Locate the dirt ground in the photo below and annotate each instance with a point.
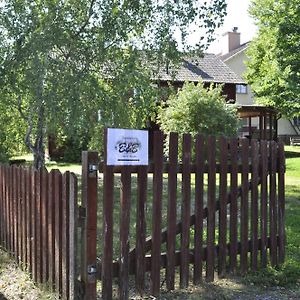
(16, 284)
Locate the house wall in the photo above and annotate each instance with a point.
(238, 65)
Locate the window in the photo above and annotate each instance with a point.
(296, 121)
(241, 89)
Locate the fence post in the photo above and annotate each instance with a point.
(89, 230)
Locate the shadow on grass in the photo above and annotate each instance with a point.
(292, 154)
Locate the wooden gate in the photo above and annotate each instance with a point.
(201, 206)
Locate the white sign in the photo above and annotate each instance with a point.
(127, 147)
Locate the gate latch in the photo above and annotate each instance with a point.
(93, 168)
(92, 272)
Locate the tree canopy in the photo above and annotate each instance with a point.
(274, 64)
(63, 61)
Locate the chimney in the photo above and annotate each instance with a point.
(230, 40)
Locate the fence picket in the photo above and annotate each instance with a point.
(223, 207)
(29, 220)
(233, 205)
(51, 229)
(281, 203)
(44, 221)
(65, 234)
(211, 198)
(38, 228)
(33, 225)
(58, 230)
(272, 204)
(156, 213)
(254, 204)
(125, 200)
(244, 205)
(172, 205)
(24, 216)
(263, 209)
(199, 194)
(141, 228)
(185, 211)
(73, 213)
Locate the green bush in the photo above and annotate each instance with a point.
(196, 109)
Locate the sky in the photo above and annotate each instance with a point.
(237, 16)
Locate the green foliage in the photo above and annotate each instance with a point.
(12, 131)
(63, 61)
(197, 109)
(274, 64)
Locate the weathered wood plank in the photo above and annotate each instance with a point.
(223, 207)
(156, 213)
(185, 210)
(172, 206)
(199, 194)
(210, 260)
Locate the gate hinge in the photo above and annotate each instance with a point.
(93, 169)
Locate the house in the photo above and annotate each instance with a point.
(234, 55)
(208, 68)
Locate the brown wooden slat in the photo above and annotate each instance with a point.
(172, 206)
(12, 210)
(73, 212)
(51, 228)
(65, 234)
(2, 196)
(263, 208)
(272, 204)
(45, 232)
(254, 204)
(233, 205)
(141, 228)
(156, 213)
(108, 204)
(185, 210)
(244, 205)
(108, 198)
(166, 166)
(33, 226)
(211, 150)
(281, 203)
(7, 192)
(125, 203)
(20, 212)
(223, 207)
(89, 242)
(39, 246)
(29, 220)
(23, 215)
(6, 211)
(58, 230)
(199, 194)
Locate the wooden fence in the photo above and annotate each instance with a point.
(215, 205)
(206, 205)
(37, 224)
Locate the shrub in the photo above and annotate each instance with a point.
(196, 109)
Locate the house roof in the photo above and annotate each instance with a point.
(234, 52)
(209, 68)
